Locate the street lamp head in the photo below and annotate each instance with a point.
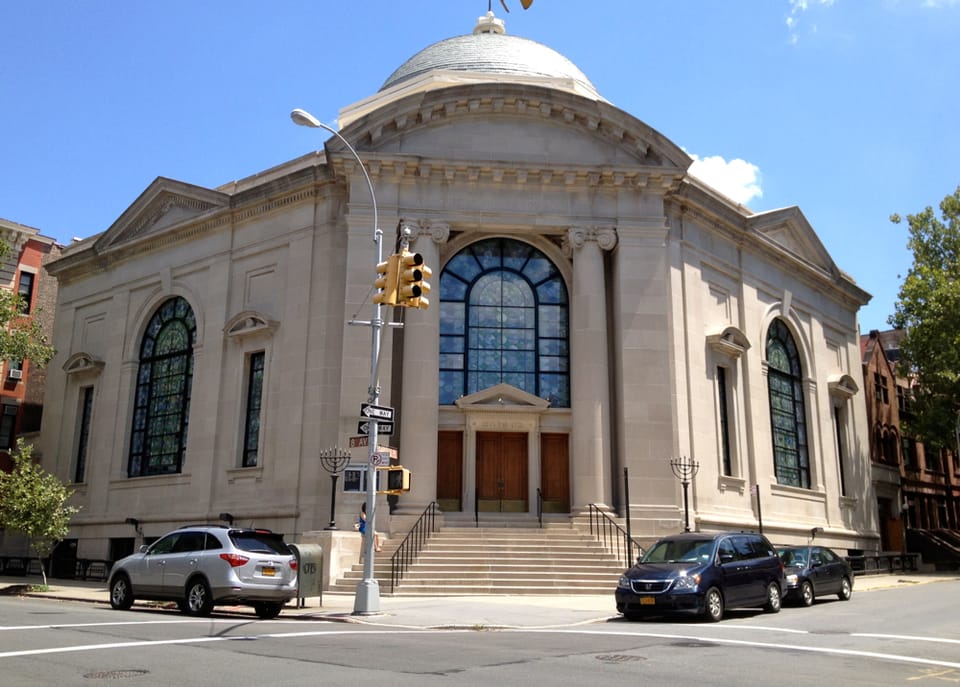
(304, 118)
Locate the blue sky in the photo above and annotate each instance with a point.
(848, 109)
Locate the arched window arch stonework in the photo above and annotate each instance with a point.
(161, 408)
(788, 416)
(504, 318)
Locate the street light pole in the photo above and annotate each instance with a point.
(367, 600)
(685, 469)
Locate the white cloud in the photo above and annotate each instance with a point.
(737, 179)
(798, 7)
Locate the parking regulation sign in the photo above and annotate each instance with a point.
(379, 459)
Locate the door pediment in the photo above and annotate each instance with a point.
(500, 397)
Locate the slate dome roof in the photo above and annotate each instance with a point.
(490, 51)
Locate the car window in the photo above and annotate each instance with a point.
(164, 545)
(828, 556)
(259, 542)
(726, 549)
(794, 557)
(744, 548)
(213, 542)
(188, 541)
(685, 551)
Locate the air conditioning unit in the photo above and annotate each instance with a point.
(15, 374)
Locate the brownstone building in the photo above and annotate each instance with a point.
(917, 485)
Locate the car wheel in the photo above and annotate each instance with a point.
(713, 605)
(266, 611)
(806, 594)
(199, 600)
(846, 589)
(121, 593)
(773, 598)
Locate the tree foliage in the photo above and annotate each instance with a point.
(928, 311)
(21, 338)
(34, 503)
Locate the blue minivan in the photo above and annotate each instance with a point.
(702, 574)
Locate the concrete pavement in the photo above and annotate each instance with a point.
(469, 612)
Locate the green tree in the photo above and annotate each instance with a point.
(928, 311)
(34, 503)
(21, 338)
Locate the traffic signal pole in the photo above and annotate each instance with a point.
(367, 600)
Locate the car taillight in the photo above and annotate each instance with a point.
(293, 565)
(235, 560)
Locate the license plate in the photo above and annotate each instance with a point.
(647, 601)
(268, 572)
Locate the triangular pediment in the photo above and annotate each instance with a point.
(165, 205)
(790, 230)
(502, 396)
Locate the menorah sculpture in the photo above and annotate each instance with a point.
(334, 460)
(685, 469)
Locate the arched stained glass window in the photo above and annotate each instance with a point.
(162, 403)
(787, 411)
(503, 319)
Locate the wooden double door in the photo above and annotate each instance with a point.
(502, 477)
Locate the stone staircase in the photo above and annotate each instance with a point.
(466, 560)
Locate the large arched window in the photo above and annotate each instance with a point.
(787, 412)
(162, 403)
(503, 319)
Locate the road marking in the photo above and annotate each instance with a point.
(897, 658)
(910, 638)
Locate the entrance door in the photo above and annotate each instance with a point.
(555, 473)
(449, 470)
(502, 472)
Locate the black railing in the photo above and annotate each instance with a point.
(411, 545)
(540, 507)
(613, 537)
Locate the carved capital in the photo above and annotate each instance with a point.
(439, 232)
(577, 237)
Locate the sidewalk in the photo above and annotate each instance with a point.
(469, 612)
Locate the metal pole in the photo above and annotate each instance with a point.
(333, 502)
(367, 600)
(686, 507)
(626, 513)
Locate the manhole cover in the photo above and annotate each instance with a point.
(115, 674)
(619, 658)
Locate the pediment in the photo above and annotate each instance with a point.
(163, 206)
(502, 396)
(510, 122)
(790, 230)
(731, 342)
(248, 323)
(843, 386)
(82, 362)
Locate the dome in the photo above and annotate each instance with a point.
(489, 51)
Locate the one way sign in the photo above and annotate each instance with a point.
(379, 412)
(384, 428)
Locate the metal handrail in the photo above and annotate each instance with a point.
(412, 544)
(613, 537)
(540, 507)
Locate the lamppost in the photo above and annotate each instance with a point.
(367, 601)
(685, 469)
(334, 460)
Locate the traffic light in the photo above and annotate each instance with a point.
(387, 281)
(412, 287)
(397, 479)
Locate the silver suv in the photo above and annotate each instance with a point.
(206, 565)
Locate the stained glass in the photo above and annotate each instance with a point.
(162, 399)
(787, 411)
(494, 326)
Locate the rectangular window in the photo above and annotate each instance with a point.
(880, 388)
(251, 431)
(723, 397)
(86, 409)
(909, 450)
(25, 289)
(8, 426)
(838, 423)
